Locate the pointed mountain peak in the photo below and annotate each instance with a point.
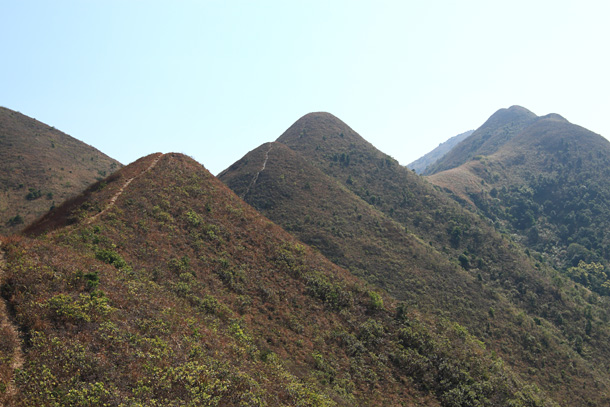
(319, 116)
(324, 139)
(317, 127)
(511, 114)
(315, 120)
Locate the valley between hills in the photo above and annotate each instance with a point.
(314, 271)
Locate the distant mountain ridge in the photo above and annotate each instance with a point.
(485, 140)
(421, 164)
(41, 167)
(546, 181)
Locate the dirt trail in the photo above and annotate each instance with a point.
(11, 335)
(120, 191)
(258, 173)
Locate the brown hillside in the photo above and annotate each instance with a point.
(41, 167)
(169, 290)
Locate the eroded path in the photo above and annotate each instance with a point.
(9, 335)
(122, 189)
(258, 173)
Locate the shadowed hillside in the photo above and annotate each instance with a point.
(40, 167)
(159, 286)
(364, 211)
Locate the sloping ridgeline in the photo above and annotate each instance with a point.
(159, 286)
(362, 210)
(421, 164)
(40, 167)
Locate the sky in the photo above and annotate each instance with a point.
(215, 79)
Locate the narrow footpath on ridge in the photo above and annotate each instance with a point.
(258, 173)
(120, 191)
(9, 335)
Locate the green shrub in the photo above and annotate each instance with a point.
(376, 300)
(15, 220)
(85, 308)
(92, 280)
(332, 294)
(33, 194)
(111, 257)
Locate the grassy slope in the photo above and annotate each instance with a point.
(354, 208)
(50, 163)
(179, 294)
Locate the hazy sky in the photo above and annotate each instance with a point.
(215, 79)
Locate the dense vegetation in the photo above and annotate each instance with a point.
(549, 186)
(362, 210)
(40, 167)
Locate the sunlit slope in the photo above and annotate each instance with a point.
(40, 167)
(160, 286)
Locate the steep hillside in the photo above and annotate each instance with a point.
(493, 134)
(421, 164)
(159, 286)
(41, 167)
(326, 215)
(549, 186)
(362, 210)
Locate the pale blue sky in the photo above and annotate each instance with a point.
(215, 79)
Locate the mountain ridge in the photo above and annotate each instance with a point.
(269, 321)
(383, 186)
(421, 164)
(41, 166)
(159, 285)
(486, 139)
(539, 184)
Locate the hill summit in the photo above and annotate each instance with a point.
(494, 133)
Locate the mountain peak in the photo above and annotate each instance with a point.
(500, 128)
(319, 116)
(511, 113)
(517, 108)
(321, 135)
(316, 125)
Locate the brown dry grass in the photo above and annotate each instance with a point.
(38, 157)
